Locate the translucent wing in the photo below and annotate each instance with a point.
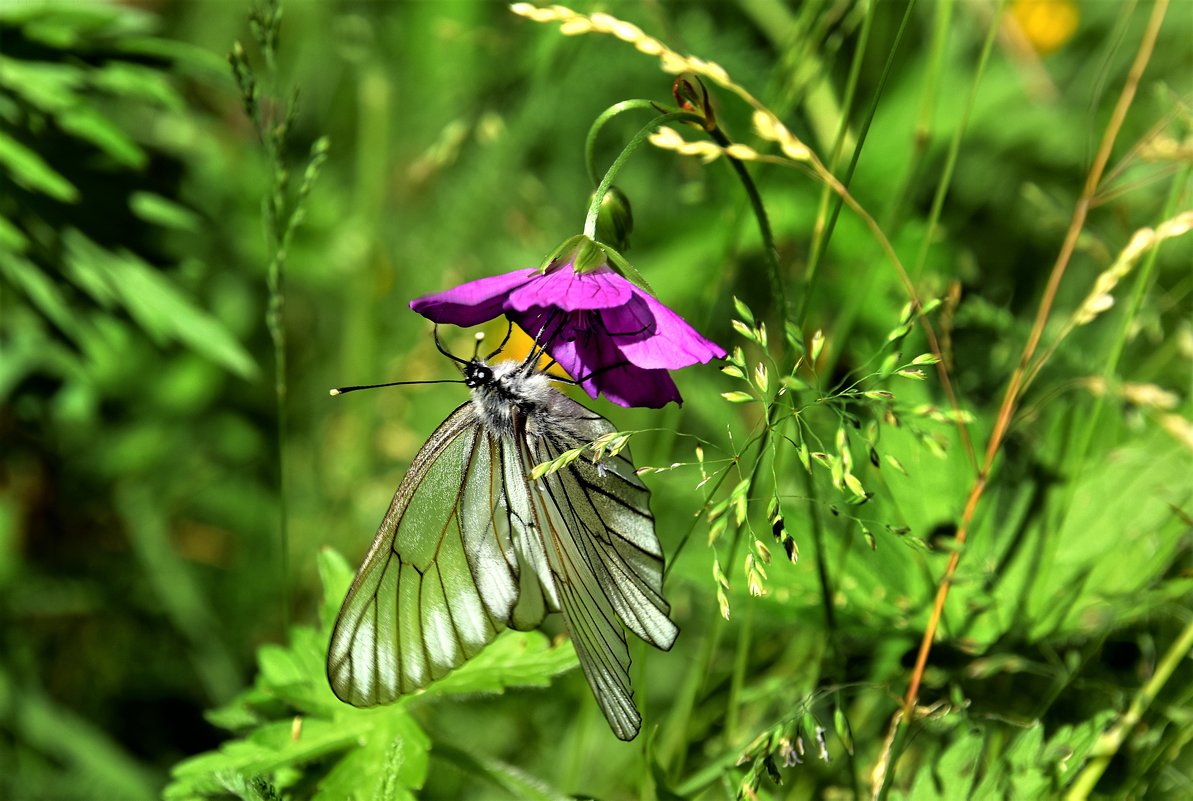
(442, 577)
(604, 556)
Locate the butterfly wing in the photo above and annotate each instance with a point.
(604, 556)
(442, 577)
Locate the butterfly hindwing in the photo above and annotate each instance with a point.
(605, 557)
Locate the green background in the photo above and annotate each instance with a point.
(141, 479)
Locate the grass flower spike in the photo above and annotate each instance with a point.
(612, 336)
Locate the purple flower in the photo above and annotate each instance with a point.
(607, 333)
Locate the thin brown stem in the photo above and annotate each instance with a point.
(1012, 396)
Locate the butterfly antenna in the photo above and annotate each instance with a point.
(346, 390)
(445, 351)
(476, 349)
(509, 330)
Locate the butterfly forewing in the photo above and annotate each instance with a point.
(608, 506)
(439, 581)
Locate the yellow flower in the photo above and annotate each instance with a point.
(1047, 24)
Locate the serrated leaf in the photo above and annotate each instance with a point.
(514, 659)
(269, 748)
(391, 761)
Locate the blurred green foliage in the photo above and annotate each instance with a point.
(141, 573)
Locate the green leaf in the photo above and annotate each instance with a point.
(30, 171)
(11, 237)
(156, 304)
(44, 294)
(136, 81)
(335, 574)
(514, 659)
(953, 771)
(43, 85)
(1017, 772)
(391, 761)
(75, 745)
(161, 211)
(514, 781)
(269, 748)
(89, 124)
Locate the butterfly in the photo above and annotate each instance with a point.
(471, 545)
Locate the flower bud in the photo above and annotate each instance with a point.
(615, 221)
(691, 95)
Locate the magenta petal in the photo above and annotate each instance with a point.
(592, 358)
(472, 303)
(633, 386)
(652, 336)
(562, 288)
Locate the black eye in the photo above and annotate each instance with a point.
(477, 375)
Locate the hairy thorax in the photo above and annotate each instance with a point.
(514, 391)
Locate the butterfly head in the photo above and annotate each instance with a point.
(477, 374)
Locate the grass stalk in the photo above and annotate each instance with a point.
(1011, 396)
(950, 162)
(1112, 739)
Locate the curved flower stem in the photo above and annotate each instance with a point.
(611, 174)
(599, 123)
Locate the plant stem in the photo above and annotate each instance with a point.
(598, 124)
(1011, 397)
(1111, 740)
(611, 174)
(764, 229)
(824, 231)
